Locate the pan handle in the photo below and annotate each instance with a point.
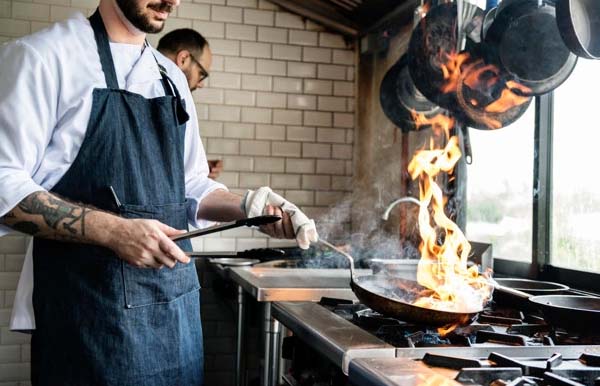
(511, 291)
(346, 255)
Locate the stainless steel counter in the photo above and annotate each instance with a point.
(331, 335)
(293, 284)
(267, 285)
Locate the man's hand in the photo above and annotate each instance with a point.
(294, 222)
(143, 243)
(147, 244)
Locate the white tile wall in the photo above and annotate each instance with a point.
(278, 110)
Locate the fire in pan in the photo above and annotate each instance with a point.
(392, 296)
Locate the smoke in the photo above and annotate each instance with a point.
(356, 223)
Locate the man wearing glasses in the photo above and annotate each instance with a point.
(190, 52)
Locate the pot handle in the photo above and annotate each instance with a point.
(467, 145)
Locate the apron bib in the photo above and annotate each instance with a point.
(100, 320)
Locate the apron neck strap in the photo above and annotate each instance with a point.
(108, 66)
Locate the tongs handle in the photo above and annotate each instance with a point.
(251, 221)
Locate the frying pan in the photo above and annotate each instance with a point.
(372, 290)
(399, 97)
(525, 41)
(533, 287)
(579, 26)
(516, 291)
(432, 43)
(572, 312)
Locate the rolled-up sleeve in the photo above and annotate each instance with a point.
(197, 183)
(28, 104)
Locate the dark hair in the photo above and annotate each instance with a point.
(181, 39)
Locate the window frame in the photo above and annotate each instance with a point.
(540, 267)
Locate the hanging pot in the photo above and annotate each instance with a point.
(487, 96)
(400, 99)
(432, 42)
(526, 43)
(432, 50)
(579, 25)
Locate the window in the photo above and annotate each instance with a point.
(575, 234)
(499, 188)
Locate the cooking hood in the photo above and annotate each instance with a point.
(351, 18)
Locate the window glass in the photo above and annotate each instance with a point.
(499, 188)
(576, 186)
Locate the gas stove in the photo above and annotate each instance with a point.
(505, 346)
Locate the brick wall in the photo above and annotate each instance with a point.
(278, 110)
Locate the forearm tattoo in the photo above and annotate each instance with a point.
(43, 214)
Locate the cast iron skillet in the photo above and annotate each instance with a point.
(525, 288)
(432, 42)
(371, 291)
(533, 287)
(572, 312)
(577, 313)
(579, 25)
(526, 42)
(375, 290)
(400, 98)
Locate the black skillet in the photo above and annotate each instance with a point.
(400, 98)
(383, 293)
(525, 41)
(572, 312)
(432, 42)
(374, 290)
(579, 25)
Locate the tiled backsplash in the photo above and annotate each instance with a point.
(278, 110)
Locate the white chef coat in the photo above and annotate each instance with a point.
(46, 84)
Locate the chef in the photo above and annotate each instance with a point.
(190, 51)
(101, 161)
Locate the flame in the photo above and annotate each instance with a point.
(460, 70)
(508, 99)
(452, 70)
(444, 248)
(445, 330)
(439, 123)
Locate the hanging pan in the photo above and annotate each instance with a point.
(391, 296)
(579, 25)
(400, 99)
(433, 51)
(525, 41)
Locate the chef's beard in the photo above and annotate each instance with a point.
(136, 16)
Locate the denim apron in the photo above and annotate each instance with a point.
(100, 320)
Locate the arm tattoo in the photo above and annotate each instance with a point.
(44, 214)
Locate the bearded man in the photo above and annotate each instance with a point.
(101, 161)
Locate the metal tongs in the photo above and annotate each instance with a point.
(252, 221)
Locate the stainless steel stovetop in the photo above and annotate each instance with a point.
(505, 347)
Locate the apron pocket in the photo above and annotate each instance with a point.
(148, 286)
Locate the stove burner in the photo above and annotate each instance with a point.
(449, 362)
(590, 359)
(498, 337)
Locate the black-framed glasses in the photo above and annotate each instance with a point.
(203, 73)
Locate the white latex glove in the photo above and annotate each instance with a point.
(255, 203)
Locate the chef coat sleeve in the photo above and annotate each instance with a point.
(197, 183)
(28, 105)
